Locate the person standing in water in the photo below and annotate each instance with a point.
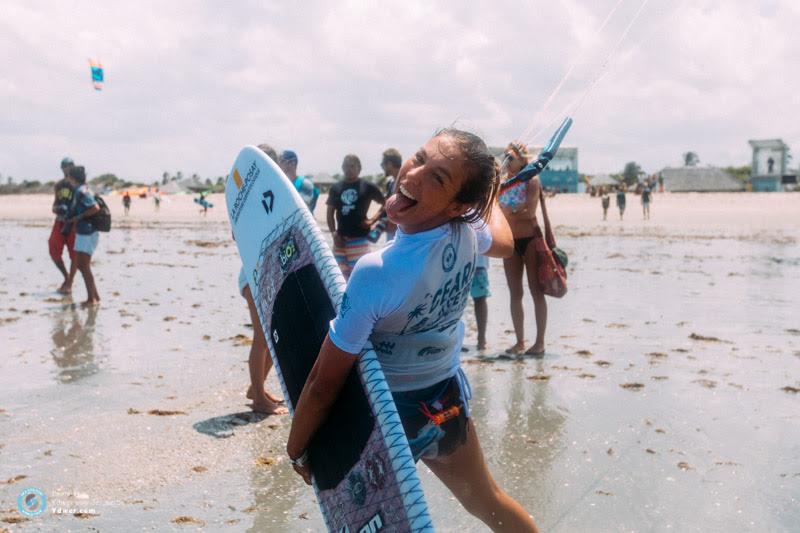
(519, 204)
(126, 202)
(348, 203)
(259, 362)
(63, 234)
(83, 207)
(621, 200)
(646, 202)
(605, 201)
(444, 194)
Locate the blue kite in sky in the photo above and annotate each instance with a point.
(97, 74)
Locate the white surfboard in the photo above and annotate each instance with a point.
(364, 475)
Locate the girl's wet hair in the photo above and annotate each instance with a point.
(77, 173)
(481, 183)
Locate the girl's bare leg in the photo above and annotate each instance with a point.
(539, 302)
(465, 473)
(84, 265)
(481, 317)
(513, 267)
(259, 365)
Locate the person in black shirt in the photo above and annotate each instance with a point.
(348, 203)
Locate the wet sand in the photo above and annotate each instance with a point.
(667, 400)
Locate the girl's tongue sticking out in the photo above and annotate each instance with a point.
(399, 202)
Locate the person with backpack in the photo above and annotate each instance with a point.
(84, 206)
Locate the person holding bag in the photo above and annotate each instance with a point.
(533, 251)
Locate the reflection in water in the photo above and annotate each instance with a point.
(73, 341)
(276, 488)
(532, 438)
(528, 440)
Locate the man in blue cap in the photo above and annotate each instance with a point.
(63, 234)
(308, 191)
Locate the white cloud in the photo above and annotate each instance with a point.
(188, 83)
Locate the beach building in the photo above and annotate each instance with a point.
(699, 179)
(770, 159)
(323, 180)
(602, 180)
(561, 173)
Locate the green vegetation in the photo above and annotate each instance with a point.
(631, 173)
(740, 173)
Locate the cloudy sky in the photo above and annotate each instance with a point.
(189, 83)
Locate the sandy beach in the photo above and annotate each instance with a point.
(668, 398)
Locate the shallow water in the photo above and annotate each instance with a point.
(699, 324)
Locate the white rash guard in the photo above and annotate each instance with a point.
(408, 299)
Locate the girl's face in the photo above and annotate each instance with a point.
(515, 162)
(427, 185)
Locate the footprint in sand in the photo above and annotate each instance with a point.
(539, 377)
(707, 383)
(705, 338)
(188, 520)
(632, 386)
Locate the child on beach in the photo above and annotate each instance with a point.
(413, 293)
(348, 203)
(621, 200)
(479, 292)
(605, 201)
(82, 208)
(259, 362)
(126, 202)
(646, 203)
(62, 234)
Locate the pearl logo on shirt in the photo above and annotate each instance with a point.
(349, 198)
(448, 258)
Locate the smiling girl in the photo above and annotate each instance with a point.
(408, 299)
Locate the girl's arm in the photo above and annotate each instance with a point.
(502, 238)
(320, 391)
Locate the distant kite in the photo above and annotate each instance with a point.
(97, 74)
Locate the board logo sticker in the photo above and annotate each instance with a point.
(244, 190)
(448, 257)
(268, 201)
(357, 488)
(375, 524)
(376, 471)
(287, 252)
(237, 178)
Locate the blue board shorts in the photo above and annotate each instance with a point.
(480, 284)
(87, 243)
(435, 418)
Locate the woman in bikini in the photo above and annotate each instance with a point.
(519, 206)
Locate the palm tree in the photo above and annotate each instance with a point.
(415, 313)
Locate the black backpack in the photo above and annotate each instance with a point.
(102, 220)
